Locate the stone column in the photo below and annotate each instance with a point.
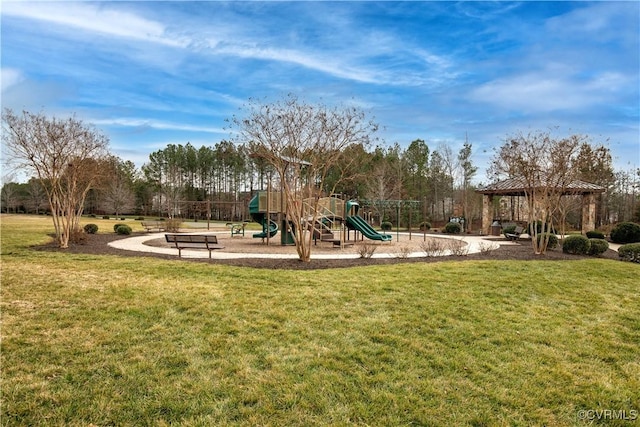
(588, 212)
(487, 213)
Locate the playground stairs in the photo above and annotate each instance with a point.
(327, 237)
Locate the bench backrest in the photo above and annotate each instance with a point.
(191, 238)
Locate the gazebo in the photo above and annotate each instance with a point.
(517, 187)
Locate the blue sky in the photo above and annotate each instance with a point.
(153, 73)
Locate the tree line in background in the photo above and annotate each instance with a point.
(189, 182)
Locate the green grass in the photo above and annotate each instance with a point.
(107, 340)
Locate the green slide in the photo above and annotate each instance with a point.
(354, 222)
(268, 227)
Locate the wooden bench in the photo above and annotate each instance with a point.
(515, 235)
(153, 225)
(193, 241)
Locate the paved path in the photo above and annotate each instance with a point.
(475, 244)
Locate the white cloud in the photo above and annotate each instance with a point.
(603, 19)
(10, 77)
(155, 124)
(91, 18)
(545, 92)
(306, 60)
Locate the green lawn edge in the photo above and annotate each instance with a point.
(113, 340)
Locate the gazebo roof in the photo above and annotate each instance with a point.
(518, 186)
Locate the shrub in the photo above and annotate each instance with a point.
(630, 252)
(140, 218)
(487, 247)
(403, 251)
(123, 229)
(457, 247)
(626, 232)
(552, 241)
(425, 226)
(91, 229)
(77, 237)
(92, 216)
(538, 226)
(576, 244)
(115, 227)
(433, 247)
(106, 217)
(595, 234)
(598, 247)
(386, 226)
(172, 225)
(452, 228)
(366, 250)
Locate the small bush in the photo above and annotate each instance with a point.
(123, 229)
(425, 226)
(122, 218)
(630, 252)
(552, 241)
(172, 225)
(140, 218)
(595, 234)
(366, 250)
(386, 226)
(77, 237)
(403, 251)
(538, 226)
(433, 247)
(115, 227)
(576, 244)
(598, 247)
(487, 247)
(106, 217)
(626, 232)
(452, 228)
(92, 216)
(91, 229)
(457, 247)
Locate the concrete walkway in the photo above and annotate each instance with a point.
(475, 244)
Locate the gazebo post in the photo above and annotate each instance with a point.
(588, 212)
(487, 213)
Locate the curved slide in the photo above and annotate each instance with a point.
(356, 223)
(270, 227)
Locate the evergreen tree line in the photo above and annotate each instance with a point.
(189, 182)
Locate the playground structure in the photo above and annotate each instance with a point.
(331, 214)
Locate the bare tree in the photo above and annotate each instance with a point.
(10, 196)
(545, 167)
(64, 155)
(117, 191)
(468, 171)
(37, 195)
(304, 143)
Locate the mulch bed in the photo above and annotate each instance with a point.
(97, 244)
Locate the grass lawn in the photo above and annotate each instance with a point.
(105, 340)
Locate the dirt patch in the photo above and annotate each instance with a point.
(98, 244)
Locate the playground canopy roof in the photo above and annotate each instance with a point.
(518, 187)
